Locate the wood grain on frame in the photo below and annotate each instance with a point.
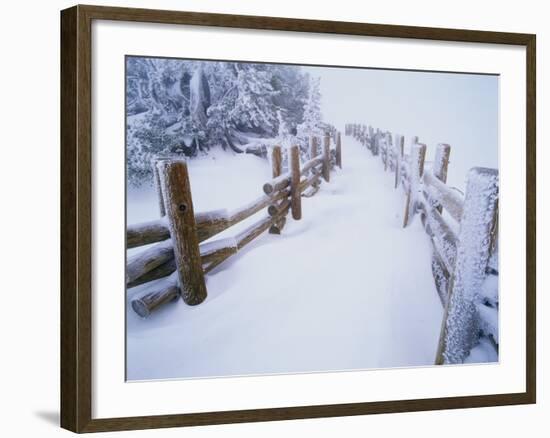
(76, 168)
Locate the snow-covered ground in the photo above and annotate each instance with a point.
(344, 288)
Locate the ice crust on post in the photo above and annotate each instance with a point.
(461, 323)
(418, 154)
(399, 143)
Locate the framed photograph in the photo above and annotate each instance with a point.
(270, 218)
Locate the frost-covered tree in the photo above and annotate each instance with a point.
(199, 102)
(284, 133)
(292, 86)
(254, 109)
(186, 107)
(312, 119)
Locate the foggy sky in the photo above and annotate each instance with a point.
(458, 109)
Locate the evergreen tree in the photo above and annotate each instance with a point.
(312, 119)
(180, 107)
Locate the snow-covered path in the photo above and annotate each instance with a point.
(344, 288)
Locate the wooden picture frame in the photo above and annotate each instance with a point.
(76, 217)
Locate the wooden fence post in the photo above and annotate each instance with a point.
(441, 164)
(295, 194)
(376, 144)
(399, 149)
(158, 187)
(339, 151)
(276, 161)
(391, 151)
(326, 158)
(418, 155)
(386, 150)
(313, 151)
(277, 170)
(178, 204)
(460, 322)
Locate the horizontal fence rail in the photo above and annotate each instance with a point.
(463, 231)
(177, 257)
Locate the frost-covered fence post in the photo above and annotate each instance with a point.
(387, 151)
(158, 187)
(391, 151)
(178, 204)
(339, 151)
(376, 144)
(382, 149)
(371, 139)
(418, 154)
(295, 192)
(441, 164)
(460, 322)
(326, 158)
(399, 148)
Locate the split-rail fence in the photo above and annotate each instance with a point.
(463, 231)
(180, 250)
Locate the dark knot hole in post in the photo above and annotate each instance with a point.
(182, 208)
